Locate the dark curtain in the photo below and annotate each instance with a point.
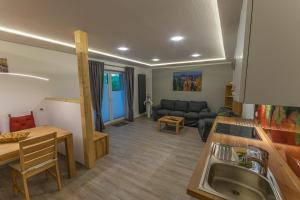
(129, 85)
(142, 92)
(96, 78)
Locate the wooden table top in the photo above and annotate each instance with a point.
(288, 182)
(171, 119)
(9, 150)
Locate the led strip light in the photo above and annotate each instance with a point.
(188, 62)
(25, 75)
(46, 39)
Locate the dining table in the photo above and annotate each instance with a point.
(10, 151)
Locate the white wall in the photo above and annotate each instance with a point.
(60, 67)
(20, 95)
(68, 118)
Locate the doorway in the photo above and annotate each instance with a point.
(113, 105)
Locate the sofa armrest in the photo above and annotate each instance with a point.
(156, 107)
(154, 112)
(207, 115)
(205, 110)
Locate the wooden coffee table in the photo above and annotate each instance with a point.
(171, 120)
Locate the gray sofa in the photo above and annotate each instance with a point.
(190, 110)
(206, 121)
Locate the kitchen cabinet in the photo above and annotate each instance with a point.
(267, 57)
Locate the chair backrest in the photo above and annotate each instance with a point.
(36, 151)
(21, 122)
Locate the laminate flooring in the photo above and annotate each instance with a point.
(143, 164)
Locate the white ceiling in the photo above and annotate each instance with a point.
(144, 26)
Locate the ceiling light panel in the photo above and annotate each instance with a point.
(196, 55)
(177, 38)
(122, 48)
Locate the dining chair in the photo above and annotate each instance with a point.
(37, 155)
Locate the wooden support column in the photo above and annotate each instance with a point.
(81, 42)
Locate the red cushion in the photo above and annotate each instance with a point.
(21, 122)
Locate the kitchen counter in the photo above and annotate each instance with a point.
(287, 181)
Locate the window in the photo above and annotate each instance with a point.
(117, 82)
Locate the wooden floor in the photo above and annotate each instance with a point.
(143, 164)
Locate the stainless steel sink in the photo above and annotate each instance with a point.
(238, 183)
(226, 178)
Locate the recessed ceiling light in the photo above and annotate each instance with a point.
(155, 59)
(177, 38)
(123, 48)
(195, 55)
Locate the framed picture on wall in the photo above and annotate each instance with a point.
(187, 81)
(3, 65)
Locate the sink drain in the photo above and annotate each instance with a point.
(236, 193)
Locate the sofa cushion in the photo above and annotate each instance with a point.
(177, 113)
(167, 104)
(191, 115)
(181, 106)
(197, 106)
(163, 112)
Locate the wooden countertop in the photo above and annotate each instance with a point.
(288, 182)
